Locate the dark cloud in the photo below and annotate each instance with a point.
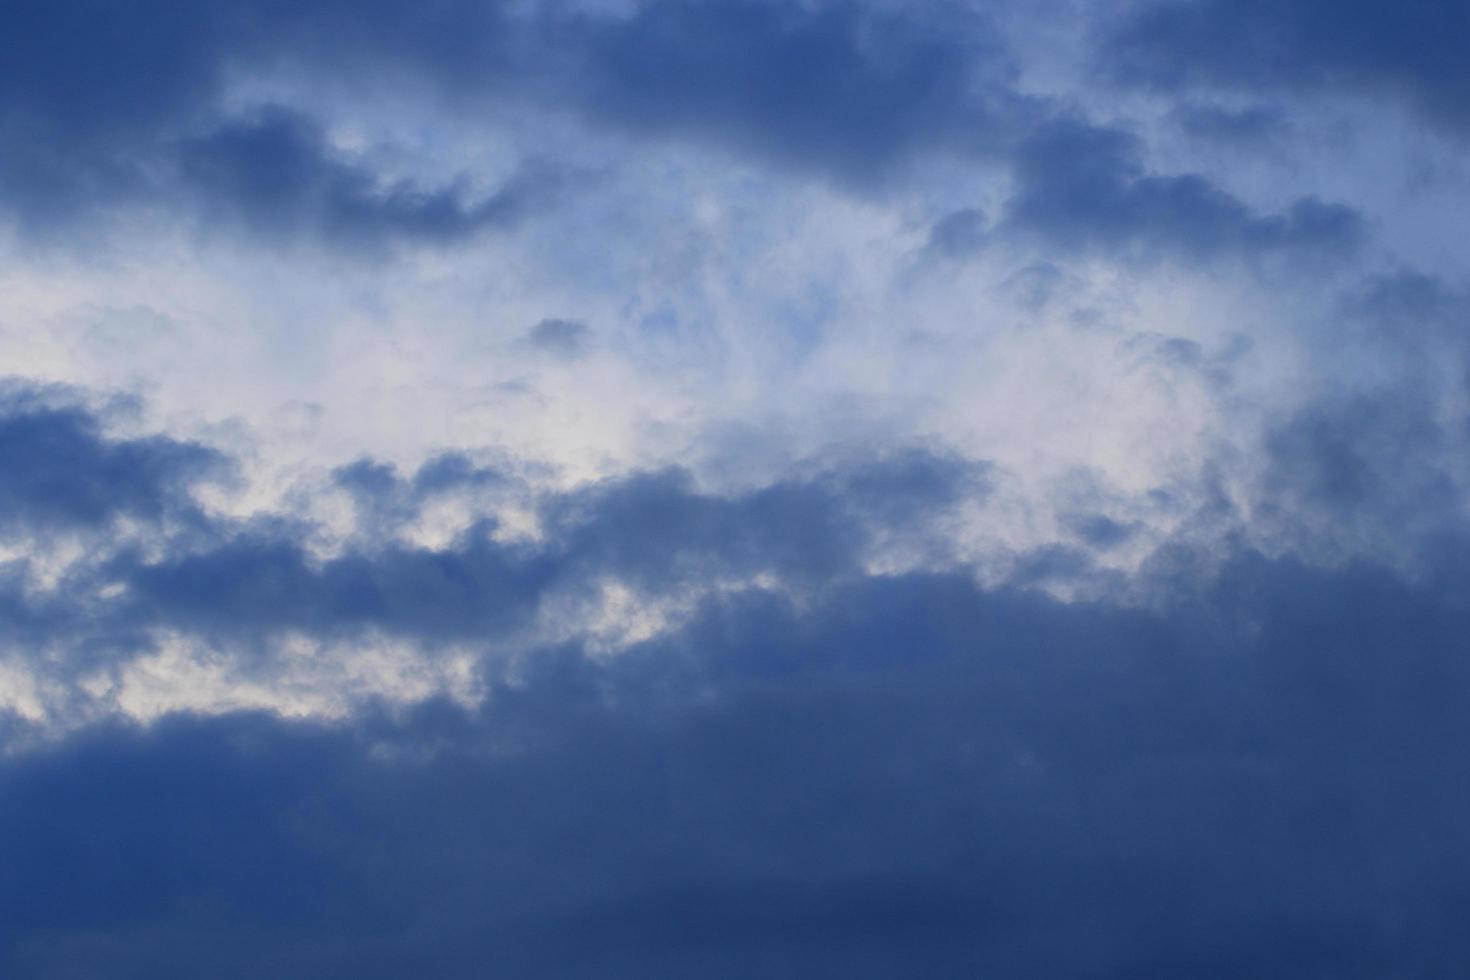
(1359, 474)
(1408, 51)
(1252, 127)
(86, 88)
(241, 585)
(1249, 766)
(563, 338)
(1377, 468)
(874, 774)
(840, 88)
(852, 92)
(276, 174)
(450, 471)
(100, 106)
(657, 531)
(380, 487)
(907, 775)
(1374, 463)
(959, 233)
(1417, 320)
(1084, 187)
(254, 587)
(1099, 530)
(654, 532)
(59, 471)
(145, 829)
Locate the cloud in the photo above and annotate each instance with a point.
(1346, 478)
(1379, 469)
(1251, 127)
(1404, 52)
(653, 532)
(254, 587)
(276, 174)
(814, 763)
(929, 507)
(59, 472)
(847, 89)
(106, 107)
(958, 233)
(563, 338)
(247, 588)
(1082, 187)
(83, 89)
(1099, 530)
(103, 107)
(908, 773)
(855, 93)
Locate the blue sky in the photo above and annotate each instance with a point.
(734, 488)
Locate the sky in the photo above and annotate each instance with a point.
(734, 489)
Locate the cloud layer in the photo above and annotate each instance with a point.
(736, 489)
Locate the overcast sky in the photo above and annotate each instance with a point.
(734, 489)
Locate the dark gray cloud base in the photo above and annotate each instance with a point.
(868, 774)
(911, 775)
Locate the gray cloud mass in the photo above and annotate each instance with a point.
(734, 489)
